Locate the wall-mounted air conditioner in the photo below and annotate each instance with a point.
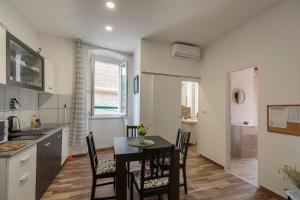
(186, 51)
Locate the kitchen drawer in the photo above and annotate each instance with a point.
(22, 175)
(23, 162)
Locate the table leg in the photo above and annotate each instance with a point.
(175, 177)
(121, 179)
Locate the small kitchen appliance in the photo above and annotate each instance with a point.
(3, 131)
(13, 124)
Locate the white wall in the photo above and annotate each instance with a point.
(61, 53)
(105, 130)
(270, 42)
(17, 25)
(156, 57)
(58, 50)
(246, 111)
(136, 97)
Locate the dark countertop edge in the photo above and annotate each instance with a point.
(30, 143)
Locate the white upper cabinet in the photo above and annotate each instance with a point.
(49, 77)
(2, 55)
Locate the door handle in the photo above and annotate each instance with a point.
(24, 159)
(48, 144)
(24, 178)
(58, 136)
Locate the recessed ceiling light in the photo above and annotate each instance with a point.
(110, 4)
(108, 28)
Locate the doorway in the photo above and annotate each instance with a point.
(242, 140)
(189, 108)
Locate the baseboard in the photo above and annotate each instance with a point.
(274, 193)
(79, 155)
(105, 149)
(85, 154)
(218, 164)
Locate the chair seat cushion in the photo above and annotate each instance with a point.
(149, 184)
(106, 166)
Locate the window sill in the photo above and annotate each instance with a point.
(108, 117)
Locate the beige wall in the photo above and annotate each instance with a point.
(270, 42)
(17, 25)
(57, 50)
(136, 97)
(61, 53)
(156, 57)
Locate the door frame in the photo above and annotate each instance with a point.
(228, 118)
(199, 108)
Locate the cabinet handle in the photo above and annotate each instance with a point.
(48, 144)
(50, 88)
(24, 159)
(24, 178)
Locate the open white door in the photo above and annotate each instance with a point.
(166, 106)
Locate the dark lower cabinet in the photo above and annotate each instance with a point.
(48, 162)
(56, 153)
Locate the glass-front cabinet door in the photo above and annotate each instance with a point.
(25, 67)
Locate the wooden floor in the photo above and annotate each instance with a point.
(205, 181)
(246, 168)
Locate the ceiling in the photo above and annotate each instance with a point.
(193, 21)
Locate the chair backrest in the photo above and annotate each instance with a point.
(159, 167)
(182, 142)
(92, 152)
(132, 131)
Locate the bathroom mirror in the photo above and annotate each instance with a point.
(238, 96)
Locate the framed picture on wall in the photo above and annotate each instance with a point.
(136, 84)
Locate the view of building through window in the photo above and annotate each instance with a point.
(106, 88)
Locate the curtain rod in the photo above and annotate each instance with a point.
(172, 75)
(105, 48)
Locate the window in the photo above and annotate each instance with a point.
(110, 89)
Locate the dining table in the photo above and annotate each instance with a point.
(125, 153)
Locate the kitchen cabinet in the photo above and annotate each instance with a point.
(49, 77)
(2, 55)
(48, 162)
(65, 144)
(18, 176)
(56, 153)
(24, 66)
(44, 166)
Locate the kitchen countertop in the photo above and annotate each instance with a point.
(54, 128)
(189, 121)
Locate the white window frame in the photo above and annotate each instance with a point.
(117, 115)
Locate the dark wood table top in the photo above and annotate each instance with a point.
(122, 148)
(124, 153)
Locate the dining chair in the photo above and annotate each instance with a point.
(132, 132)
(153, 180)
(182, 142)
(100, 169)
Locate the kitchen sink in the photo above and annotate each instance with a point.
(33, 134)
